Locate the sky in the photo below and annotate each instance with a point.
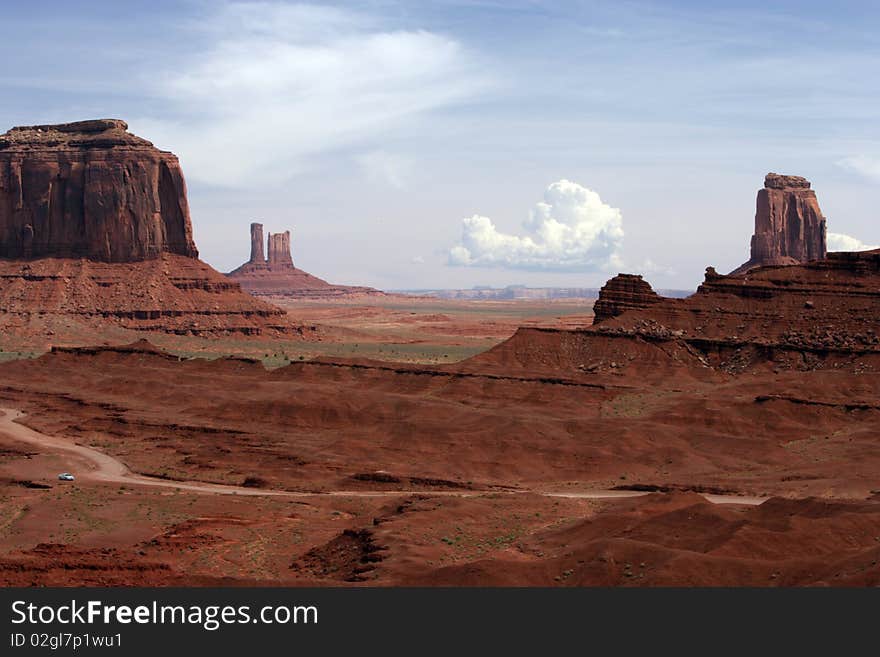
(455, 143)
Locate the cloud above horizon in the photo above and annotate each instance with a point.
(571, 230)
(842, 242)
(274, 84)
(865, 166)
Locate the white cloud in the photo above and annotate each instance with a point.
(648, 266)
(570, 230)
(867, 167)
(418, 260)
(279, 83)
(841, 242)
(385, 168)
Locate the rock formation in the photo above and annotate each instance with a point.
(279, 251)
(819, 315)
(277, 275)
(789, 226)
(623, 292)
(90, 190)
(95, 232)
(257, 256)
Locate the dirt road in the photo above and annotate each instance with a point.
(92, 465)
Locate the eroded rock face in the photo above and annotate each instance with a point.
(789, 226)
(257, 255)
(90, 190)
(95, 236)
(279, 251)
(622, 293)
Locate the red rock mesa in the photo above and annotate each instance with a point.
(90, 190)
(95, 224)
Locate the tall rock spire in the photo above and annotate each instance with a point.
(279, 251)
(789, 226)
(258, 256)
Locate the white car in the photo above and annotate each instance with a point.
(65, 476)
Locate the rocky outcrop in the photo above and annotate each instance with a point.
(277, 275)
(90, 190)
(257, 255)
(622, 293)
(789, 226)
(95, 236)
(819, 315)
(279, 251)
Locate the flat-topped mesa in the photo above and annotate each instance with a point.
(789, 226)
(621, 293)
(90, 190)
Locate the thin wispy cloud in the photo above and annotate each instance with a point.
(383, 168)
(863, 165)
(279, 83)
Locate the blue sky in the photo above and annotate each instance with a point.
(451, 144)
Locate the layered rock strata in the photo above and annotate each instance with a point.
(95, 231)
(623, 292)
(90, 190)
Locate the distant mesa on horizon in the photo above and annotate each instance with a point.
(277, 275)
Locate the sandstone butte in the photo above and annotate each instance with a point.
(95, 224)
(789, 226)
(277, 275)
(804, 309)
(789, 230)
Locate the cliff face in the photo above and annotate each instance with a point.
(95, 235)
(789, 226)
(90, 190)
(621, 293)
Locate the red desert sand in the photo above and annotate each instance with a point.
(728, 438)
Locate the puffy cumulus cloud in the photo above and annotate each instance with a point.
(841, 242)
(867, 167)
(268, 86)
(570, 230)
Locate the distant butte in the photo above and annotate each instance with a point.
(95, 225)
(623, 292)
(277, 275)
(789, 226)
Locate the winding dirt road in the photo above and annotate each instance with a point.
(92, 465)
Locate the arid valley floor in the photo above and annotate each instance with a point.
(499, 469)
(266, 427)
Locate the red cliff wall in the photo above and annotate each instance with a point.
(90, 190)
